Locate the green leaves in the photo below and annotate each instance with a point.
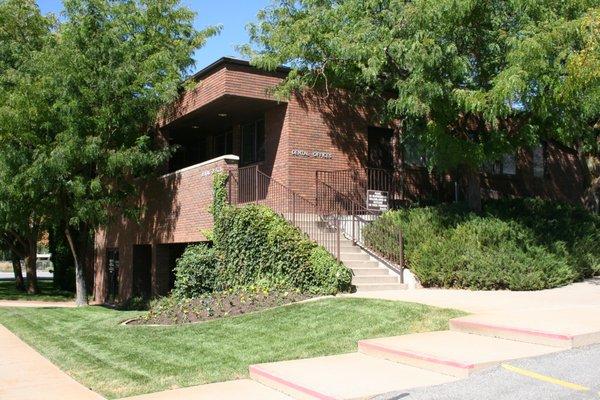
(461, 73)
(80, 97)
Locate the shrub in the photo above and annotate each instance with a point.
(195, 272)
(331, 276)
(524, 244)
(257, 245)
(487, 253)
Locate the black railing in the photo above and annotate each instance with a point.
(353, 217)
(354, 183)
(248, 185)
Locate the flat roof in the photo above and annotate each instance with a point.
(232, 61)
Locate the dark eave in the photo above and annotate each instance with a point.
(231, 61)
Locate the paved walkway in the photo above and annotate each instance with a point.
(578, 295)
(27, 375)
(37, 304)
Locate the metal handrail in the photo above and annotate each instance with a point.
(339, 205)
(249, 185)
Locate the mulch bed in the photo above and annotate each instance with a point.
(170, 311)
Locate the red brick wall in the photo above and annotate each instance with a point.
(176, 210)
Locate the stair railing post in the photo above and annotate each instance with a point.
(353, 212)
(337, 244)
(401, 240)
(294, 208)
(256, 184)
(229, 188)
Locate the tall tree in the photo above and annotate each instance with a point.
(443, 68)
(24, 127)
(116, 63)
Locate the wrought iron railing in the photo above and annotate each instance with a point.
(354, 183)
(353, 218)
(248, 185)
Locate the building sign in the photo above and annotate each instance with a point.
(312, 154)
(378, 200)
(211, 172)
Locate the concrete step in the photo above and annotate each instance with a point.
(354, 256)
(345, 376)
(566, 328)
(361, 264)
(351, 250)
(373, 279)
(452, 353)
(370, 271)
(373, 287)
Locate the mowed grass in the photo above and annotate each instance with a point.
(118, 361)
(8, 291)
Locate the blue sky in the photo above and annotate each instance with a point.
(233, 15)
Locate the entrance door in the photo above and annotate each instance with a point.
(381, 155)
(112, 259)
(142, 263)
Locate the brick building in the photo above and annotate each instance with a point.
(231, 122)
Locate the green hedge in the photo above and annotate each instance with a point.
(524, 244)
(252, 245)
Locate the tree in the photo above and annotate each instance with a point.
(78, 112)
(443, 71)
(24, 32)
(116, 63)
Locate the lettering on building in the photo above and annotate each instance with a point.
(312, 154)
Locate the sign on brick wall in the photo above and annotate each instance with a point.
(312, 154)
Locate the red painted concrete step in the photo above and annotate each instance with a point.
(345, 376)
(452, 353)
(567, 328)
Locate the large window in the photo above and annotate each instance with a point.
(223, 143)
(253, 142)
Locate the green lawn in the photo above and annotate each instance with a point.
(48, 292)
(119, 361)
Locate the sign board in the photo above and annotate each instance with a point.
(377, 200)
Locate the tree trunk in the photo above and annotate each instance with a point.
(473, 194)
(31, 266)
(19, 282)
(78, 257)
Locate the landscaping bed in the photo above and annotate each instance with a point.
(170, 310)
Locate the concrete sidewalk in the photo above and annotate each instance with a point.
(577, 295)
(37, 304)
(27, 375)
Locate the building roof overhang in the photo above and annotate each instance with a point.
(227, 86)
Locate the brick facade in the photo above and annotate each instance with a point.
(303, 135)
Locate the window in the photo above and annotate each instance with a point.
(509, 164)
(506, 166)
(413, 153)
(253, 142)
(538, 161)
(223, 143)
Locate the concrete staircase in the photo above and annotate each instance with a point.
(368, 273)
(473, 343)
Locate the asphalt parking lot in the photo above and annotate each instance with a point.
(568, 375)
